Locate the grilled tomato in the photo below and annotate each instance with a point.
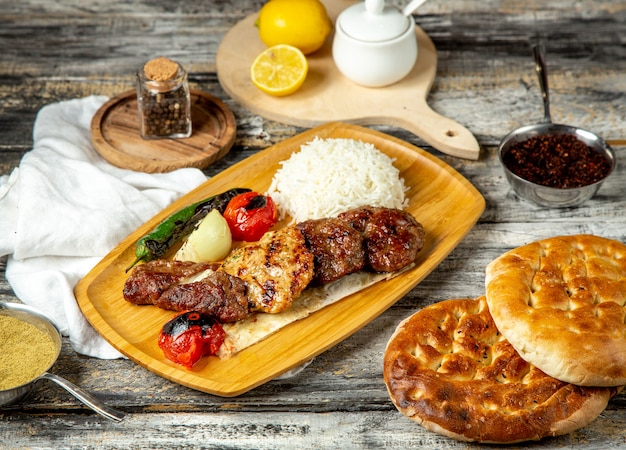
(190, 336)
(250, 215)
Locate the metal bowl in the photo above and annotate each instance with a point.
(546, 195)
(551, 196)
(35, 317)
(41, 322)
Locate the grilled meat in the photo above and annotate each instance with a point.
(268, 276)
(276, 269)
(148, 281)
(392, 237)
(218, 294)
(357, 218)
(183, 286)
(336, 246)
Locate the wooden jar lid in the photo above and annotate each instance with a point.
(115, 135)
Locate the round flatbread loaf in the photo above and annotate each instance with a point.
(449, 369)
(561, 302)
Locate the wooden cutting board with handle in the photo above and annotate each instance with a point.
(328, 96)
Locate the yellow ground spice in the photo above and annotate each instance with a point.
(25, 352)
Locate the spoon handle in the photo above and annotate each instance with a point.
(542, 74)
(86, 398)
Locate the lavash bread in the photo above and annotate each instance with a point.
(561, 303)
(448, 368)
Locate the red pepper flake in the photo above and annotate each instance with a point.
(556, 160)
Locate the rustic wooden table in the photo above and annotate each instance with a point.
(58, 50)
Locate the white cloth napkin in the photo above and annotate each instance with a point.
(65, 207)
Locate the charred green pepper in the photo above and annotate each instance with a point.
(179, 225)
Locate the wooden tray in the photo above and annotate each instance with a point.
(444, 202)
(328, 96)
(115, 135)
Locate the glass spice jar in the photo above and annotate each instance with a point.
(163, 100)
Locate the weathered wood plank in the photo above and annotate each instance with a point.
(57, 50)
(503, 96)
(259, 430)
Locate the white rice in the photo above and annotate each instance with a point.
(329, 176)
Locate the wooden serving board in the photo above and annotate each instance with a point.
(115, 135)
(329, 96)
(444, 202)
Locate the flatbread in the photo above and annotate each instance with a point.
(561, 302)
(247, 332)
(449, 369)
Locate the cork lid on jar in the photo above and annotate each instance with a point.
(160, 69)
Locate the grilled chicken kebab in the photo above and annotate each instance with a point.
(268, 276)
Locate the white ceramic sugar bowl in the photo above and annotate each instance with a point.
(374, 44)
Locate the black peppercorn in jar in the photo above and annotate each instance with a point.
(163, 100)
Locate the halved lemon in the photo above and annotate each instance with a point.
(279, 70)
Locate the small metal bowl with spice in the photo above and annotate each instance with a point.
(552, 164)
(30, 344)
(555, 165)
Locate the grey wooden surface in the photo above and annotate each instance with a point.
(63, 49)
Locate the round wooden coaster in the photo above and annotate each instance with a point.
(115, 135)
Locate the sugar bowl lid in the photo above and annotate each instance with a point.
(372, 21)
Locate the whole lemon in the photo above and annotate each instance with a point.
(303, 24)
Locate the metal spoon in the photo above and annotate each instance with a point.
(86, 398)
(544, 195)
(542, 74)
(38, 319)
